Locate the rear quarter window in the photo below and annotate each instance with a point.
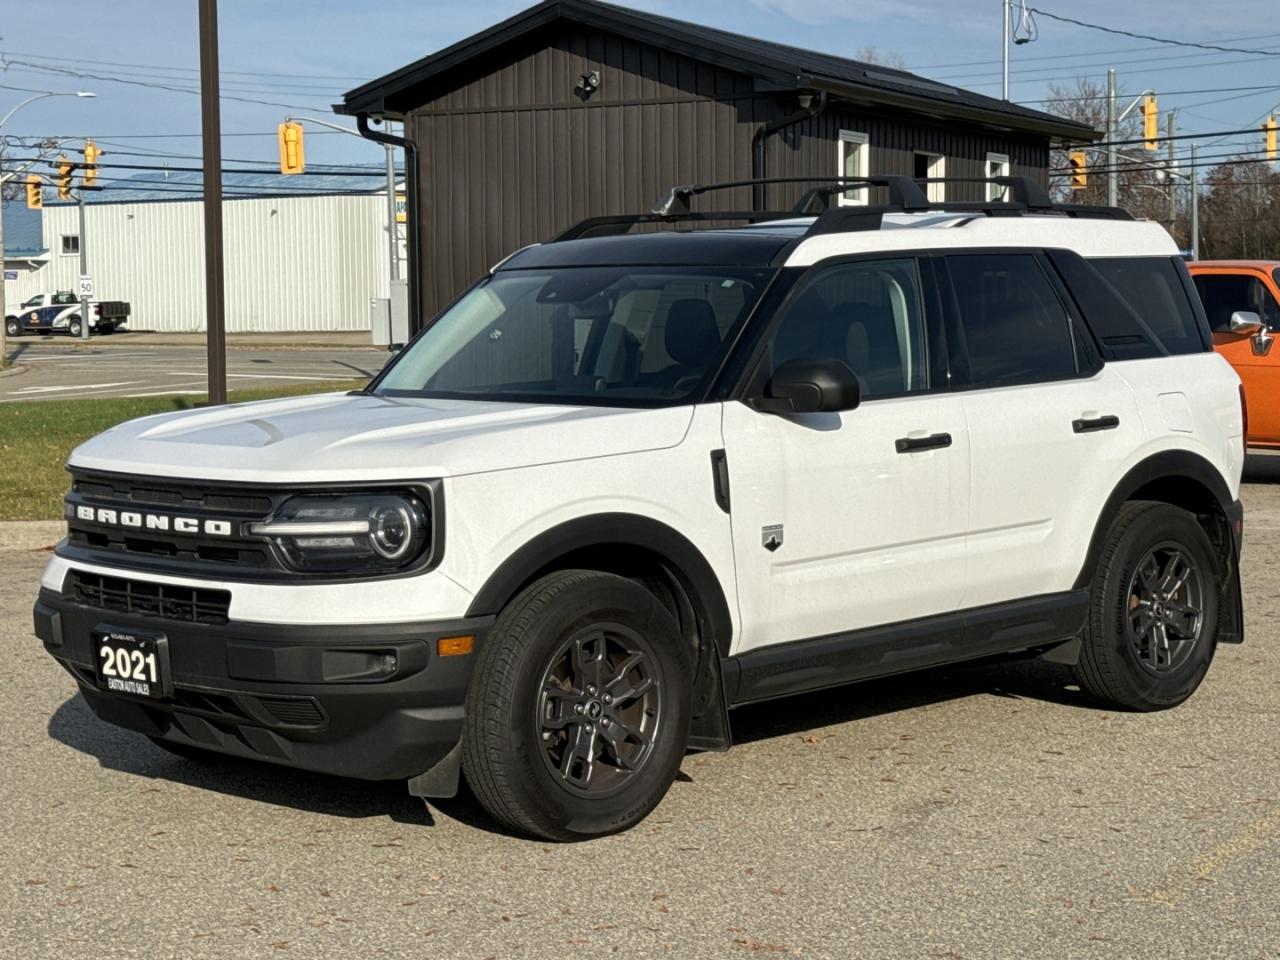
(1155, 289)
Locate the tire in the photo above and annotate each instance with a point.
(73, 327)
(1124, 662)
(553, 719)
(12, 328)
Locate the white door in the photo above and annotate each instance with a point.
(854, 519)
(1049, 427)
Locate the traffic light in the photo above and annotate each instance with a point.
(91, 155)
(35, 195)
(1270, 126)
(65, 168)
(1079, 170)
(291, 159)
(1150, 121)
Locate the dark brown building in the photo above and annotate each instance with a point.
(577, 108)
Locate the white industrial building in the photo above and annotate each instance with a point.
(304, 262)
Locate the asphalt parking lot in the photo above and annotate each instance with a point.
(57, 370)
(970, 813)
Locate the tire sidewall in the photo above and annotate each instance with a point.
(1146, 689)
(12, 328)
(600, 601)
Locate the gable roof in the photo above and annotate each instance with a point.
(789, 67)
(23, 231)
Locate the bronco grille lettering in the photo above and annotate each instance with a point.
(153, 521)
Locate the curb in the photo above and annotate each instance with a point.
(22, 535)
(13, 371)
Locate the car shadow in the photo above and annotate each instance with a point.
(74, 725)
(1261, 468)
(1021, 679)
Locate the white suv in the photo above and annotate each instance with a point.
(626, 483)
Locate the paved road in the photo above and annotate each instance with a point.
(969, 813)
(56, 371)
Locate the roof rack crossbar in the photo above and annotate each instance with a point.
(615, 224)
(1022, 190)
(903, 191)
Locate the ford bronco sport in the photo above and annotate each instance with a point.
(631, 480)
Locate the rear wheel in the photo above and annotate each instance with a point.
(73, 326)
(12, 328)
(1153, 618)
(578, 714)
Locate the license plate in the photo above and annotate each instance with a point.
(132, 662)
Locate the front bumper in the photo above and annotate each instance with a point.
(313, 697)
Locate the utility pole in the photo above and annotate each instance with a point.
(1004, 46)
(84, 271)
(392, 237)
(1173, 190)
(211, 142)
(1195, 206)
(1113, 184)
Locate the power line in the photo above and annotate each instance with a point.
(1145, 36)
(1072, 56)
(196, 70)
(1163, 93)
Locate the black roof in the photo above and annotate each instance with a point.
(751, 247)
(788, 67)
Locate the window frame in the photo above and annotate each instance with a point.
(995, 192)
(862, 142)
(936, 192)
(1089, 359)
(742, 378)
(63, 245)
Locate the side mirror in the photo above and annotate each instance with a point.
(810, 386)
(1245, 322)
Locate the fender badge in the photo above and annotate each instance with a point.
(771, 537)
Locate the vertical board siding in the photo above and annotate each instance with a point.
(291, 263)
(510, 154)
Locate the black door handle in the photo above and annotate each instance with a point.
(915, 444)
(1096, 424)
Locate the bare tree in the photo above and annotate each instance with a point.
(884, 58)
(1240, 211)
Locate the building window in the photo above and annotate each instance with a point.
(70, 245)
(997, 166)
(932, 166)
(853, 160)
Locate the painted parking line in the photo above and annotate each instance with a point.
(26, 391)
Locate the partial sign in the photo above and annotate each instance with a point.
(402, 209)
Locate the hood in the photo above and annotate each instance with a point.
(344, 438)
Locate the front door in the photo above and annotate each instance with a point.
(849, 520)
(1255, 359)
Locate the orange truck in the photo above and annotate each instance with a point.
(1242, 301)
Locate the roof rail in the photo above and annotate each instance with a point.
(615, 224)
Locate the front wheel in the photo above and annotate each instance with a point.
(578, 715)
(12, 328)
(1153, 610)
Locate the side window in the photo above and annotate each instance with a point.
(867, 314)
(853, 153)
(1153, 288)
(1011, 325)
(1223, 294)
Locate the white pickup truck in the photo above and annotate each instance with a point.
(60, 313)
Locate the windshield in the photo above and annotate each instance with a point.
(613, 336)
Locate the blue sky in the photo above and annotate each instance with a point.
(301, 56)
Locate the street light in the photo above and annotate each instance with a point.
(4, 352)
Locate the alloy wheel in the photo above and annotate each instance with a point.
(1166, 604)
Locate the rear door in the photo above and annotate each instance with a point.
(843, 521)
(1049, 425)
(1255, 359)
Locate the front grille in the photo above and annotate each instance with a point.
(163, 600)
(230, 555)
(294, 711)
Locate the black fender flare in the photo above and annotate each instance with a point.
(1174, 464)
(685, 561)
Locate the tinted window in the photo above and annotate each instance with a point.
(1223, 294)
(867, 314)
(1012, 326)
(1152, 286)
(591, 335)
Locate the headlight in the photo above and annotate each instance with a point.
(349, 532)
